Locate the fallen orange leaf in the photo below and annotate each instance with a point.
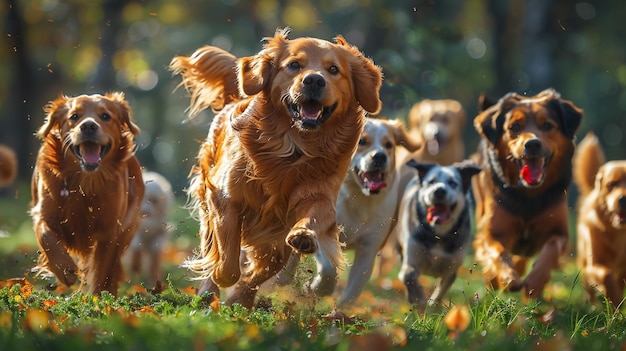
(457, 320)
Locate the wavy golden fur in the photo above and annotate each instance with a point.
(86, 189)
(601, 221)
(269, 172)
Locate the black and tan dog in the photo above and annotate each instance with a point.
(521, 195)
(434, 227)
(601, 224)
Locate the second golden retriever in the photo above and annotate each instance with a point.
(269, 172)
(86, 190)
(601, 223)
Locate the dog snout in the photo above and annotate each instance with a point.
(314, 84)
(621, 201)
(379, 159)
(89, 127)
(440, 194)
(533, 147)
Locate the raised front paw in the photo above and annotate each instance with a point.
(302, 240)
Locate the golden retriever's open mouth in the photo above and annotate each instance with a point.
(90, 154)
(532, 170)
(439, 213)
(310, 114)
(371, 182)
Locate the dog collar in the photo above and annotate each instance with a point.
(494, 165)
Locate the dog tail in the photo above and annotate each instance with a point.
(210, 76)
(588, 158)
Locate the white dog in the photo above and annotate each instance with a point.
(366, 206)
(155, 229)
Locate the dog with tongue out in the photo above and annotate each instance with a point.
(526, 149)
(434, 227)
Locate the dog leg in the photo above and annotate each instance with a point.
(208, 286)
(497, 263)
(286, 275)
(55, 257)
(326, 278)
(316, 218)
(266, 263)
(360, 273)
(547, 260)
(600, 278)
(442, 288)
(227, 236)
(104, 268)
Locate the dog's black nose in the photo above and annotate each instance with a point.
(440, 193)
(314, 80)
(89, 127)
(379, 158)
(622, 201)
(533, 147)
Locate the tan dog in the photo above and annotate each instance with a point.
(87, 190)
(521, 194)
(147, 244)
(366, 207)
(269, 172)
(601, 223)
(8, 166)
(440, 124)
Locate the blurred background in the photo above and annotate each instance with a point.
(453, 49)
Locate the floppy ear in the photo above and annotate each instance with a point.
(485, 102)
(126, 113)
(489, 125)
(422, 168)
(467, 169)
(568, 114)
(255, 73)
(367, 78)
(411, 142)
(55, 110)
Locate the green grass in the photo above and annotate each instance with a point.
(33, 317)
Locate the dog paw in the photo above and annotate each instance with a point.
(302, 241)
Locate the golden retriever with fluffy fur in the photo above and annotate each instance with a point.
(269, 172)
(601, 223)
(86, 190)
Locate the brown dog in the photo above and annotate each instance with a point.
(271, 167)
(521, 194)
(440, 124)
(601, 224)
(8, 166)
(86, 190)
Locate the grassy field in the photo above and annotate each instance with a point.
(35, 315)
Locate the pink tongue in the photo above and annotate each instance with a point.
(310, 110)
(531, 176)
(374, 180)
(438, 214)
(90, 152)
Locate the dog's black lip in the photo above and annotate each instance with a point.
(90, 167)
(294, 108)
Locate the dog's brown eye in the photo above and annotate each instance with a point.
(362, 142)
(105, 116)
(333, 70)
(389, 145)
(453, 184)
(610, 186)
(547, 126)
(515, 128)
(74, 117)
(295, 65)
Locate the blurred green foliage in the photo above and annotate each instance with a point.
(428, 49)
